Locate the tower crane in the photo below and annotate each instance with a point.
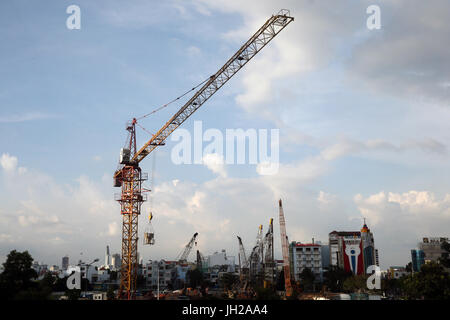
(285, 250)
(129, 176)
(187, 249)
(269, 255)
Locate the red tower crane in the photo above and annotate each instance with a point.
(129, 176)
(285, 250)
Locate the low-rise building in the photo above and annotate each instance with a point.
(159, 271)
(397, 272)
(306, 255)
(432, 248)
(221, 259)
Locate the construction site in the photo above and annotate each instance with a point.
(257, 268)
(244, 154)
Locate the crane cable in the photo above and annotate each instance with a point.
(170, 102)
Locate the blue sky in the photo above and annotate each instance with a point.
(363, 118)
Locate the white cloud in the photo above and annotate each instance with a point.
(113, 229)
(399, 220)
(325, 198)
(193, 51)
(8, 162)
(409, 56)
(41, 210)
(29, 116)
(215, 163)
(6, 238)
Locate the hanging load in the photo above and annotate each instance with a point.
(149, 233)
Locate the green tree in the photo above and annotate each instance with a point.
(113, 275)
(431, 283)
(280, 281)
(73, 294)
(140, 282)
(110, 294)
(48, 280)
(356, 283)
(17, 275)
(335, 277)
(392, 287)
(60, 284)
(445, 259)
(408, 267)
(307, 278)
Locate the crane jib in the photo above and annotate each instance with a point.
(260, 39)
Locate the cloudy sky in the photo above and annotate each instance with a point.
(363, 118)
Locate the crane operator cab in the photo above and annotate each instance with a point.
(124, 156)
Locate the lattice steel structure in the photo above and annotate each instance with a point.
(269, 264)
(130, 207)
(259, 40)
(285, 250)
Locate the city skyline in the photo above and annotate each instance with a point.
(363, 119)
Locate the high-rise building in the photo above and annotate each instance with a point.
(115, 261)
(368, 245)
(107, 257)
(65, 263)
(353, 250)
(417, 259)
(325, 256)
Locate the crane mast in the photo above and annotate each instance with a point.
(200, 261)
(256, 258)
(129, 177)
(242, 255)
(244, 266)
(285, 250)
(269, 255)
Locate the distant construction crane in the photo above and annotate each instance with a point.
(269, 264)
(285, 250)
(200, 261)
(187, 249)
(256, 259)
(244, 269)
(243, 265)
(129, 176)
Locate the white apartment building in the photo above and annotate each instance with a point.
(218, 259)
(306, 255)
(161, 270)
